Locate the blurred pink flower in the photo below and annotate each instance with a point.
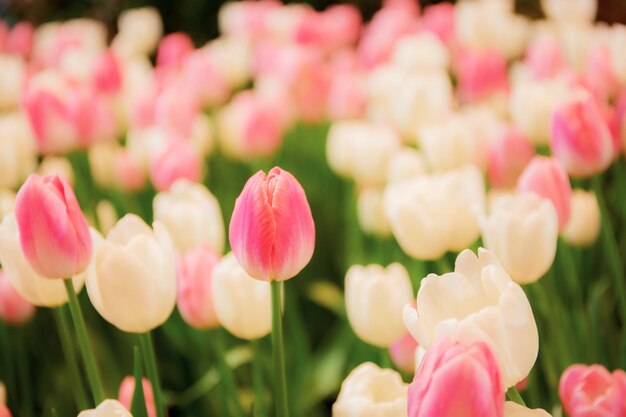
(19, 40)
(127, 389)
(130, 172)
(592, 391)
(107, 73)
(480, 74)
(14, 309)
(439, 19)
(178, 159)
(507, 156)
(173, 50)
(402, 353)
(544, 58)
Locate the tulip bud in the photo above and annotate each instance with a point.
(513, 409)
(271, 232)
(480, 74)
(584, 223)
(592, 390)
(13, 308)
(173, 49)
(430, 215)
(544, 58)
(130, 171)
(522, 231)
(107, 408)
(478, 301)
(403, 353)
(195, 298)
(545, 177)
(570, 11)
(53, 230)
(371, 391)
(242, 304)
(12, 76)
(192, 215)
(139, 31)
(17, 150)
(127, 390)
(507, 156)
(581, 139)
(375, 297)
(371, 212)
(40, 291)
(176, 161)
(132, 282)
(421, 52)
(457, 378)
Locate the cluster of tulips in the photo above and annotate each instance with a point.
(453, 178)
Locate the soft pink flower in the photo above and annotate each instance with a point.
(204, 76)
(544, 58)
(507, 156)
(336, 27)
(4, 411)
(20, 39)
(402, 353)
(592, 391)
(92, 116)
(272, 233)
(14, 309)
(614, 122)
(439, 19)
(107, 73)
(599, 76)
(480, 74)
(176, 108)
(127, 389)
(457, 379)
(247, 19)
(194, 298)
(581, 139)
(173, 50)
(346, 95)
(54, 234)
(177, 160)
(130, 172)
(546, 177)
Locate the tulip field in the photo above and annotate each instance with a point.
(421, 214)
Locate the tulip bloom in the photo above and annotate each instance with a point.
(592, 391)
(272, 233)
(507, 156)
(127, 390)
(457, 379)
(107, 408)
(371, 391)
(14, 309)
(54, 234)
(584, 223)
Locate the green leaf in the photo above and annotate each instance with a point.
(138, 404)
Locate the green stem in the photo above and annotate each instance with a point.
(25, 385)
(514, 395)
(611, 249)
(85, 347)
(385, 359)
(67, 345)
(228, 380)
(279, 351)
(147, 351)
(257, 381)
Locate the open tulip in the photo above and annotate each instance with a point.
(457, 379)
(127, 389)
(584, 223)
(54, 234)
(371, 391)
(132, 281)
(272, 233)
(478, 301)
(108, 408)
(593, 391)
(14, 309)
(513, 409)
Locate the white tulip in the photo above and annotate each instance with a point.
(243, 305)
(478, 301)
(18, 157)
(132, 280)
(570, 11)
(139, 32)
(375, 297)
(421, 52)
(512, 409)
(522, 231)
(584, 222)
(192, 215)
(430, 215)
(406, 163)
(371, 212)
(12, 76)
(107, 408)
(37, 290)
(370, 391)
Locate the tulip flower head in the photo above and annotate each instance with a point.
(589, 391)
(271, 232)
(107, 408)
(54, 234)
(14, 309)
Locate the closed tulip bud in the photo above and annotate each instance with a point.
(14, 309)
(584, 223)
(139, 31)
(271, 232)
(178, 160)
(421, 52)
(570, 11)
(406, 163)
(107, 408)
(127, 390)
(361, 150)
(195, 296)
(480, 74)
(522, 231)
(544, 58)
(371, 212)
(457, 379)
(132, 281)
(37, 290)
(478, 301)
(507, 156)
(173, 50)
(102, 159)
(17, 150)
(593, 391)
(130, 171)
(513, 409)
(12, 76)
(581, 139)
(192, 215)
(371, 391)
(403, 353)
(242, 304)
(375, 297)
(545, 177)
(430, 215)
(54, 234)
(56, 165)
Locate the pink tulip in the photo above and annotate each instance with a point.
(194, 298)
(20, 39)
(346, 96)
(457, 379)
(173, 50)
(402, 353)
(13, 308)
(581, 139)
(480, 74)
(54, 234)
(439, 20)
(592, 391)
(336, 27)
(130, 172)
(92, 116)
(4, 411)
(247, 19)
(546, 177)
(4, 34)
(175, 161)
(107, 73)
(205, 77)
(127, 389)
(545, 59)
(272, 233)
(507, 156)
(176, 108)
(599, 76)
